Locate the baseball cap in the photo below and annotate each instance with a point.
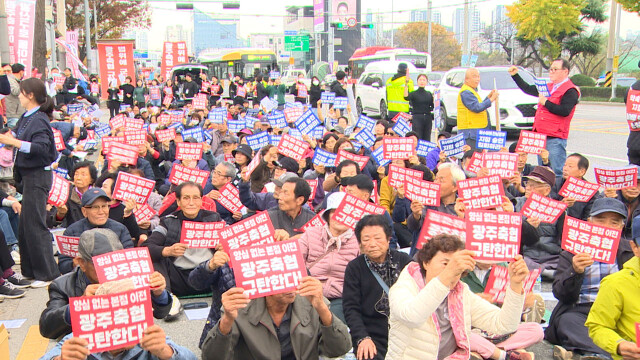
(635, 229)
(288, 164)
(362, 181)
(606, 204)
(542, 174)
(228, 139)
(243, 149)
(283, 178)
(96, 242)
(92, 195)
(333, 201)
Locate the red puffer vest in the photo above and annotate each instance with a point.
(550, 124)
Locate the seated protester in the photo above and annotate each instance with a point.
(120, 211)
(71, 134)
(154, 157)
(293, 325)
(630, 197)
(263, 173)
(518, 182)
(367, 280)
(436, 155)
(544, 252)
(222, 175)
(11, 283)
(154, 343)
(285, 164)
(170, 257)
(55, 320)
(155, 202)
(192, 164)
(229, 144)
(332, 181)
(95, 209)
(170, 205)
(327, 250)
(361, 187)
(576, 166)
(432, 311)
(291, 214)
(346, 168)
(83, 177)
(577, 283)
(613, 318)
(262, 201)
(242, 154)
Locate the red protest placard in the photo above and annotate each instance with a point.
(398, 175)
(617, 178)
(134, 263)
(134, 187)
(578, 189)
(292, 147)
(173, 53)
(293, 113)
(268, 269)
(133, 123)
(199, 102)
(67, 245)
(144, 213)
(168, 99)
(638, 335)
(165, 134)
(501, 163)
(531, 142)
(180, 174)
(116, 61)
(59, 193)
(126, 154)
(57, 137)
(543, 208)
(584, 237)
(374, 193)
(633, 111)
(135, 137)
(437, 223)
(201, 235)
(315, 222)
(493, 235)
(313, 184)
(108, 141)
(499, 280)
(476, 162)
(406, 117)
(254, 230)
(117, 122)
(164, 119)
(398, 148)
(253, 164)
(352, 209)
(425, 192)
(343, 154)
(230, 198)
(113, 321)
(188, 151)
(481, 193)
(205, 87)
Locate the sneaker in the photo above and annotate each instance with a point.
(519, 355)
(19, 281)
(40, 284)
(560, 353)
(593, 357)
(536, 313)
(175, 310)
(9, 291)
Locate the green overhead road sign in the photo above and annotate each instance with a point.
(296, 43)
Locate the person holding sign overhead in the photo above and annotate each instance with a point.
(472, 110)
(555, 110)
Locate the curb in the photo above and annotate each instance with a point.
(602, 103)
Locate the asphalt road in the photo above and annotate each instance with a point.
(597, 131)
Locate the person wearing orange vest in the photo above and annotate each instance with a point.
(554, 114)
(472, 109)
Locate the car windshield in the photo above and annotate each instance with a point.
(626, 82)
(502, 79)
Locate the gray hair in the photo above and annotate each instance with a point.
(457, 174)
(230, 169)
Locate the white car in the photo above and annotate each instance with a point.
(517, 109)
(371, 91)
(290, 76)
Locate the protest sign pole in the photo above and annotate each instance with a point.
(497, 107)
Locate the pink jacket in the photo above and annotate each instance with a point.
(330, 269)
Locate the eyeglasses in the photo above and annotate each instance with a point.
(216, 172)
(98, 207)
(555, 69)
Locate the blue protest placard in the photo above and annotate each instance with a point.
(218, 115)
(90, 144)
(123, 107)
(318, 132)
(327, 97)
(277, 119)
(62, 172)
(340, 102)
(274, 74)
(275, 139)
(194, 132)
(253, 112)
(491, 140)
(74, 108)
(178, 126)
(543, 87)
(365, 122)
(207, 136)
(257, 141)
(268, 104)
(365, 137)
(295, 133)
(357, 146)
(294, 104)
(236, 125)
(378, 156)
(424, 147)
(250, 121)
(453, 145)
(323, 157)
(103, 131)
(401, 127)
(307, 122)
(436, 109)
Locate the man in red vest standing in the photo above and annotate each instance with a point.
(554, 113)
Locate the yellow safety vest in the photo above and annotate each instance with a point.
(468, 119)
(395, 94)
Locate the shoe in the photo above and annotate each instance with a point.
(1, 298)
(16, 257)
(519, 355)
(40, 284)
(9, 291)
(19, 281)
(536, 313)
(175, 310)
(593, 357)
(560, 353)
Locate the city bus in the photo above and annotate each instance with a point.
(363, 56)
(246, 62)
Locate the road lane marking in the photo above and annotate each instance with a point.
(626, 161)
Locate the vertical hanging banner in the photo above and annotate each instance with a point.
(173, 53)
(116, 61)
(71, 56)
(21, 15)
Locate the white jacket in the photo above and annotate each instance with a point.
(413, 333)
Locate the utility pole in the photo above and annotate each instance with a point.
(87, 35)
(465, 35)
(95, 22)
(4, 35)
(61, 19)
(616, 51)
(330, 40)
(392, 23)
(429, 18)
(612, 33)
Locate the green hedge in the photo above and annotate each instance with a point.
(601, 92)
(583, 80)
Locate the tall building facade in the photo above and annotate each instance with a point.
(209, 33)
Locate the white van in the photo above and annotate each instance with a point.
(517, 109)
(371, 92)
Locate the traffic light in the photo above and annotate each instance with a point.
(338, 25)
(367, 26)
(184, 6)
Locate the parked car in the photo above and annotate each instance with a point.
(517, 109)
(435, 77)
(290, 76)
(620, 81)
